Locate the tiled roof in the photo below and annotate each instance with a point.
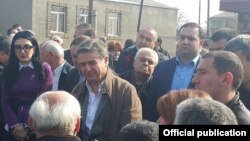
(145, 2)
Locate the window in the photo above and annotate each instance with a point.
(113, 24)
(82, 16)
(57, 19)
(217, 23)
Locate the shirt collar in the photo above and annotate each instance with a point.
(58, 69)
(99, 87)
(23, 66)
(194, 60)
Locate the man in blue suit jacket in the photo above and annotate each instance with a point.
(177, 72)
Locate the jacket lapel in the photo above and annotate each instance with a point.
(191, 85)
(104, 100)
(84, 108)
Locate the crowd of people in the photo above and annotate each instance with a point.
(100, 90)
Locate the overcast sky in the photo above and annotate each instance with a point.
(190, 8)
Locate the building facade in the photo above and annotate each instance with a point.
(223, 20)
(115, 19)
(242, 7)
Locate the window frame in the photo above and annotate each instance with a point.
(84, 10)
(115, 21)
(50, 31)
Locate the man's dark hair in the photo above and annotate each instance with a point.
(201, 111)
(129, 43)
(90, 33)
(240, 43)
(84, 25)
(225, 61)
(194, 25)
(78, 40)
(9, 31)
(140, 131)
(15, 26)
(4, 44)
(159, 40)
(223, 33)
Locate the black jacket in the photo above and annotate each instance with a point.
(241, 112)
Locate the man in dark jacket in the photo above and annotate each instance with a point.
(220, 73)
(143, 67)
(240, 45)
(4, 59)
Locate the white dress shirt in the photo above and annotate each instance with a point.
(56, 75)
(93, 103)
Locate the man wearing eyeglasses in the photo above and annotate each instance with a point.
(176, 73)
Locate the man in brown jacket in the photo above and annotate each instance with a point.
(108, 102)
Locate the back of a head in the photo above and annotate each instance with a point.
(84, 26)
(166, 104)
(52, 112)
(18, 27)
(159, 40)
(128, 43)
(78, 40)
(200, 111)
(240, 43)
(223, 33)
(90, 33)
(139, 131)
(81, 28)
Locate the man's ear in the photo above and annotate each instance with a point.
(77, 126)
(227, 79)
(32, 124)
(51, 54)
(201, 44)
(106, 60)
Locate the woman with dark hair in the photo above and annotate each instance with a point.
(25, 77)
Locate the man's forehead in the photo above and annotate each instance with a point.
(205, 62)
(145, 54)
(190, 31)
(146, 33)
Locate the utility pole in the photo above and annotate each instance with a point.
(90, 12)
(199, 20)
(208, 15)
(139, 19)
